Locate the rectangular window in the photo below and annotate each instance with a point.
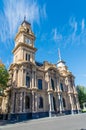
(28, 81)
(61, 86)
(52, 84)
(27, 57)
(40, 102)
(39, 83)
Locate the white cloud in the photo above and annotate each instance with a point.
(75, 33)
(56, 36)
(73, 23)
(13, 14)
(83, 24)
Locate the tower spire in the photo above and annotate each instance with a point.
(24, 17)
(59, 54)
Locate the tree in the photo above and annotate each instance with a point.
(81, 94)
(4, 77)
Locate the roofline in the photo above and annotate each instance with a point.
(25, 22)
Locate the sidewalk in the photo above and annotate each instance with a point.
(5, 122)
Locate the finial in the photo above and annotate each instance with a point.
(25, 18)
(59, 54)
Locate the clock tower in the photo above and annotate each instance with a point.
(24, 44)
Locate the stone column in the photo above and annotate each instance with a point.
(60, 103)
(77, 103)
(34, 85)
(24, 77)
(58, 85)
(13, 99)
(15, 77)
(24, 102)
(35, 80)
(51, 108)
(50, 83)
(33, 102)
(71, 102)
(21, 101)
(19, 77)
(52, 104)
(32, 80)
(36, 102)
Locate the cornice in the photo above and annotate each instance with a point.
(24, 45)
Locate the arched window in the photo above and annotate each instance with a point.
(39, 83)
(64, 104)
(40, 102)
(61, 86)
(27, 81)
(52, 84)
(27, 102)
(54, 104)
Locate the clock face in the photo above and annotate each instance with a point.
(27, 40)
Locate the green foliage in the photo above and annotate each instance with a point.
(81, 95)
(4, 77)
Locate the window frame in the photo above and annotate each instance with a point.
(40, 84)
(41, 105)
(28, 81)
(61, 87)
(27, 57)
(52, 84)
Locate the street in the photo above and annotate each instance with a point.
(69, 122)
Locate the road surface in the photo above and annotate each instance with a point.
(69, 122)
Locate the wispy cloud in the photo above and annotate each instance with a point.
(56, 36)
(75, 33)
(13, 14)
(83, 24)
(73, 23)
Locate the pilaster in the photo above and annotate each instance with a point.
(24, 95)
(71, 103)
(60, 102)
(77, 103)
(51, 107)
(21, 98)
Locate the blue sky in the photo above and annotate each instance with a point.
(56, 24)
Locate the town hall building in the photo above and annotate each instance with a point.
(37, 89)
